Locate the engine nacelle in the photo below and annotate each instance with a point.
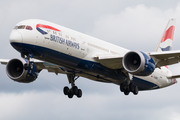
(138, 63)
(15, 71)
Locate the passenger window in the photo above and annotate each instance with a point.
(29, 28)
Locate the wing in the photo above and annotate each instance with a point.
(162, 55)
(160, 58)
(165, 57)
(110, 61)
(42, 65)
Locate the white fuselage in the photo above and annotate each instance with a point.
(76, 51)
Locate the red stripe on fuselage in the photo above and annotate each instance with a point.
(168, 34)
(47, 26)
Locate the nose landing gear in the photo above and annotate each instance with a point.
(28, 65)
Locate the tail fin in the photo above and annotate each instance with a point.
(165, 43)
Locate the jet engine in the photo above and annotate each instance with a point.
(15, 71)
(138, 63)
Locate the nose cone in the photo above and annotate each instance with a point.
(15, 36)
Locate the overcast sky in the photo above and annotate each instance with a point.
(133, 24)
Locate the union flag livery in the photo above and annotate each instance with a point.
(40, 26)
(167, 38)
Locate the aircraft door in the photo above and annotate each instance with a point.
(83, 44)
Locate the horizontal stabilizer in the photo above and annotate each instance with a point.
(173, 77)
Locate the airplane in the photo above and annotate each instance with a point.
(45, 45)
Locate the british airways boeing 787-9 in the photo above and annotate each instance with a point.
(45, 45)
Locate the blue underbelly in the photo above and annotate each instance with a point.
(71, 62)
(88, 68)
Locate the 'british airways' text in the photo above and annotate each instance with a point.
(64, 41)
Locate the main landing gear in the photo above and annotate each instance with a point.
(127, 88)
(74, 89)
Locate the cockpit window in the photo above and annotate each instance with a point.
(28, 27)
(23, 27)
(16, 27)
